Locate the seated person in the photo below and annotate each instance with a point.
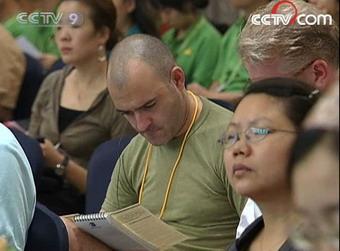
(17, 193)
(194, 41)
(73, 112)
(41, 36)
(136, 16)
(174, 167)
(257, 147)
(315, 161)
(12, 70)
(230, 78)
(309, 53)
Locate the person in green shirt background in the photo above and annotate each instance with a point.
(230, 77)
(192, 39)
(40, 36)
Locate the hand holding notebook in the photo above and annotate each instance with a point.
(131, 228)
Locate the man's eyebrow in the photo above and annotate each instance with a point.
(141, 107)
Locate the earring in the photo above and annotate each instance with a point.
(101, 53)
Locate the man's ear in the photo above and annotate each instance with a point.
(321, 74)
(178, 77)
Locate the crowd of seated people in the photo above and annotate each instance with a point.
(117, 73)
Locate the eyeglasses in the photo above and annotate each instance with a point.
(251, 135)
(296, 74)
(311, 235)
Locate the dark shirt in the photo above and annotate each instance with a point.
(66, 117)
(249, 235)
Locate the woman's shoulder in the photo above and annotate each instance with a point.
(57, 77)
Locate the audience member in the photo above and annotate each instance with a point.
(328, 6)
(230, 77)
(73, 112)
(175, 161)
(41, 36)
(194, 42)
(136, 16)
(12, 69)
(306, 52)
(309, 53)
(17, 193)
(315, 162)
(271, 111)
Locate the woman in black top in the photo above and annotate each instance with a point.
(257, 147)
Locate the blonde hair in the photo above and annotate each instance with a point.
(295, 45)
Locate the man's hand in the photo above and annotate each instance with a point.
(81, 241)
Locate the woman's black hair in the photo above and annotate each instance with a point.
(306, 141)
(181, 5)
(296, 96)
(103, 14)
(145, 16)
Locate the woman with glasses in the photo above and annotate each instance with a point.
(257, 145)
(315, 162)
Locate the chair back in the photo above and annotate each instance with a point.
(47, 231)
(99, 171)
(32, 80)
(32, 150)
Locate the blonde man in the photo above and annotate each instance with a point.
(307, 52)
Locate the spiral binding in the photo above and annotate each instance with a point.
(90, 217)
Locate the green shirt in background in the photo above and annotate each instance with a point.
(202, 203)
(197, 52)
(230, 72)
(41, 37)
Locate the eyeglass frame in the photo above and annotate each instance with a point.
(223, 139)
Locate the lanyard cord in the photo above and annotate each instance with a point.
(180, 154)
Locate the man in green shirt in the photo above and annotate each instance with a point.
(174, 167)
(192, 39)
(230, 77)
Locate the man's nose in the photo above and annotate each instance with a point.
(142, 122)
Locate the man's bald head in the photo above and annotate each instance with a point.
(143, 48)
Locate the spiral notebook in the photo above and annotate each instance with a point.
(132, 228)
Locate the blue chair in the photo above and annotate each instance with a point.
(100, 170)
(33, 78)
(32, 150)
(47, 232)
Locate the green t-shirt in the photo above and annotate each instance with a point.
(202, 204)
(230, 72)
(40, 36)
(197, 52)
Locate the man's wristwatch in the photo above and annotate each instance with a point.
(61, 167)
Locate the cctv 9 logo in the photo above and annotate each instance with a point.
(50, 18)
